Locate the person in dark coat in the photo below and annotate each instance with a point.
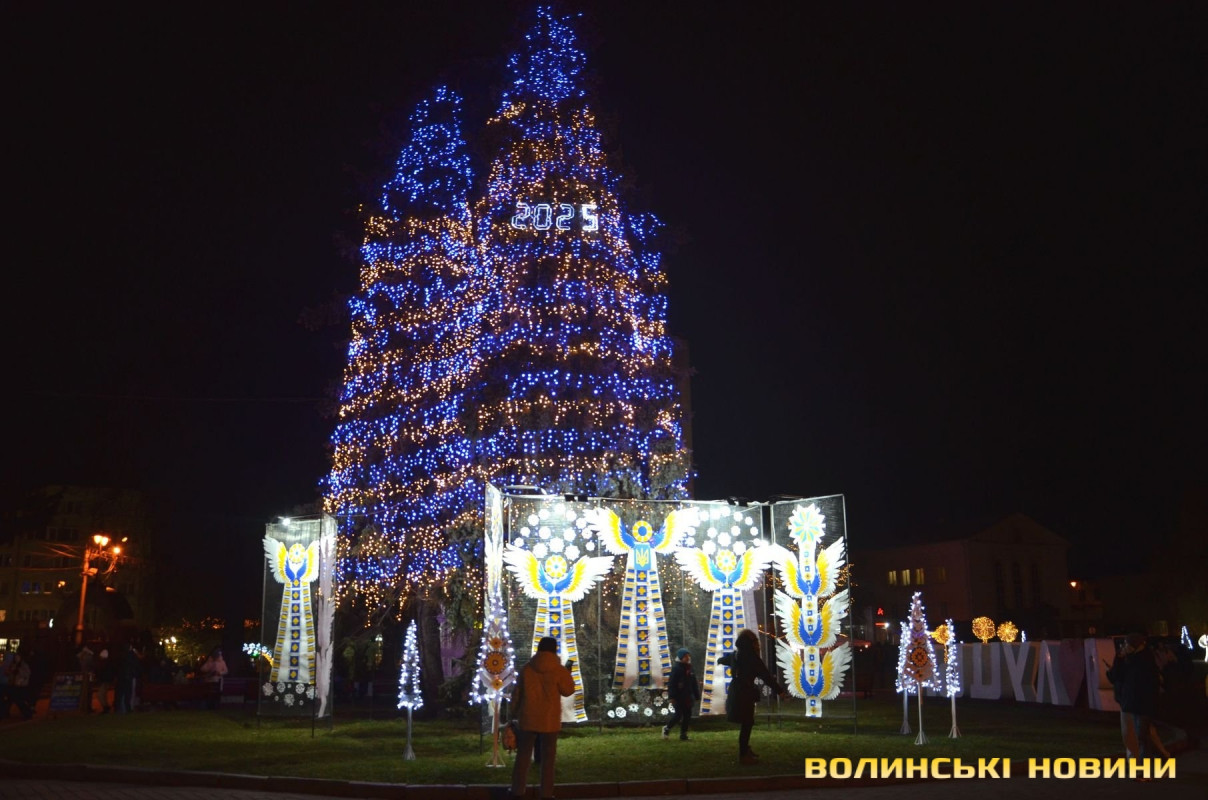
(745, 666)
(684, 691)
(1136, 679)
(129, 669)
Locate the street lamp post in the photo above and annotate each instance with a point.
(97, 548)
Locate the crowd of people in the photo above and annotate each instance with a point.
(111, 674)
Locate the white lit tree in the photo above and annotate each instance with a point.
(952, 669)
(918, 665)
(496, 658)
(410, 696)
(902, 687)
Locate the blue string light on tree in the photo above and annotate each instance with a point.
(402, 468)
(519, 339)
(578, 336)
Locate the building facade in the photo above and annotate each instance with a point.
(1015, 570)
(42, 560)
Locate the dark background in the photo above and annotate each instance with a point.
(945, 260)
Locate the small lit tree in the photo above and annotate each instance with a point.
(903, 688)
(918, 666)
(946, 635)
(410, 695)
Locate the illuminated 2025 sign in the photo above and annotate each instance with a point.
(542, 217)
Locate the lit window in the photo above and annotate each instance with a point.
(3, 615)
(941, 574)
(893, 577)
(905, 577)
(918, 576)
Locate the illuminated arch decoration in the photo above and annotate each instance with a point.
(1203, 642)
(554, 573)
(811, 620)
(296, 568)
(726, 563)
(643, 652)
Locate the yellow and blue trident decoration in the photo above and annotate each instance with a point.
(643, 654)
(727, 569)
(552, 574)
(810, 610)
(296, 568)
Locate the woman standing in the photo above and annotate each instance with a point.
(745, 666)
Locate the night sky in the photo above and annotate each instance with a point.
(947, 261)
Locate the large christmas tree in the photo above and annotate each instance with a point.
(579, 395)
(519, 340)
(403, 463)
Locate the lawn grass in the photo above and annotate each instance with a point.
(451, 752)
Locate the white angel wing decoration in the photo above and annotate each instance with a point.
(680, 523)
(523, 564)
(275, 551)
(694, 561)
(754, 563)
(830, 563)
(606, 525)
(312, 562)
(587, 572)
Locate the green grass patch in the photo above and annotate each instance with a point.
(452, 752)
